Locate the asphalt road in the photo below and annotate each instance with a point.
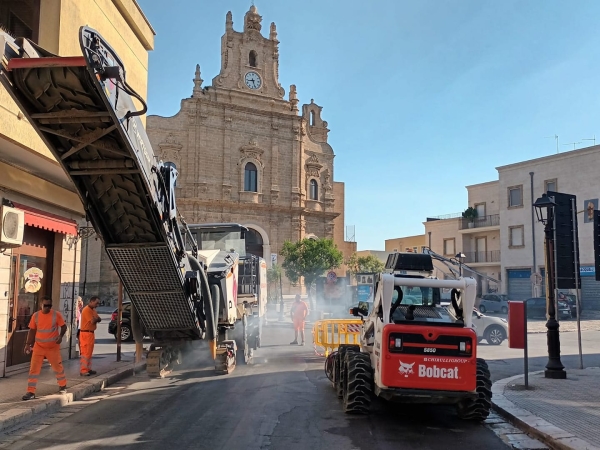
(282, 401)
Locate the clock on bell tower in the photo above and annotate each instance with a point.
(250, 61)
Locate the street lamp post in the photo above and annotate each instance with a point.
(544, 209)
(460, 257)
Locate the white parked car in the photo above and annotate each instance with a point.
(493, 329)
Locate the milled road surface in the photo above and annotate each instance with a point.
(282, 402)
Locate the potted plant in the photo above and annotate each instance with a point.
(470, 214)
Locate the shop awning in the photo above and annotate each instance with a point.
(47, 221)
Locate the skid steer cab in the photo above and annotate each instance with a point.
(411, 349)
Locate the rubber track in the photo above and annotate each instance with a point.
(359, 388)
(479, 409)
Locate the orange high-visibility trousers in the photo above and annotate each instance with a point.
(37, 358)
(86, 345)
(299, 324)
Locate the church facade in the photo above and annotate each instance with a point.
(249, 154)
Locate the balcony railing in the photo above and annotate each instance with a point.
(445, 216)
(482, 257)
(480, 222)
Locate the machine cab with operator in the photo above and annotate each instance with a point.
(411, 349)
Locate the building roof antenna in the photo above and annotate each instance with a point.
(555, 137)
(593, 139)
(573, 144)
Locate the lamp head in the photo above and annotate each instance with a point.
(542, 205)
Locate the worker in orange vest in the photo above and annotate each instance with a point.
(89, 321)
(299, 312)
(44, 333)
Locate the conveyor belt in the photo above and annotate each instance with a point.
(82, 108)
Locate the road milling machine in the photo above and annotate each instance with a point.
(411, 349)
(239, 279)
(82, 107)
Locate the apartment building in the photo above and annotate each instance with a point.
(478, 238)
(505, 242)
(47, 263)
(414, 244)
(522, 236)
(379, 254)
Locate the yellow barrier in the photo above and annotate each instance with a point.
(329, 334)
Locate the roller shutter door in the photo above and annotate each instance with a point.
(519, 284)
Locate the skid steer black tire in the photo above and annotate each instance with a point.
(339, 367)
(358, 387)
(482, 365)
(478, 409)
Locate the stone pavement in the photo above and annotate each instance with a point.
(14, 411)
(563, 414)
(590, 321)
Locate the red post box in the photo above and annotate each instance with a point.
(517, 324)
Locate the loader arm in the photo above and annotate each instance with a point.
(82, 108)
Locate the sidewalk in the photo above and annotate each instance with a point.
(563, 414)
(14, 411)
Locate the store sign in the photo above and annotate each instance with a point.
(365, 287)
(587, 271)
(33, 279)
(331, 277)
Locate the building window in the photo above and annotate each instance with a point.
(21, 18)
(314, 190)
(422, 249)
(250, 178)
(516, 236)
(550, 185)
(312, 118)
(449, 247)
(515, 196)
(480, 208)
(415, 249)
(395, 250)
(252, 58)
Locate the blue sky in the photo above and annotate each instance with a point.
(422, 97)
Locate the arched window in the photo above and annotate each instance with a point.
(312, 118)
(250, 178)
(254, 243)
(314, 190)
(252, 58)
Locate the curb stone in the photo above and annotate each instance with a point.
(551, 435)
(23, 412)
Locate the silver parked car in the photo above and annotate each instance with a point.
(493, 329)
(493, 303)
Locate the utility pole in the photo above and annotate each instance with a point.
(535, 268)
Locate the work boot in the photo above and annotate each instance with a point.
(29, 396)
(62, 390)
(92, 372)
(294, 342)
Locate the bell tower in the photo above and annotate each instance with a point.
(250, 61)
